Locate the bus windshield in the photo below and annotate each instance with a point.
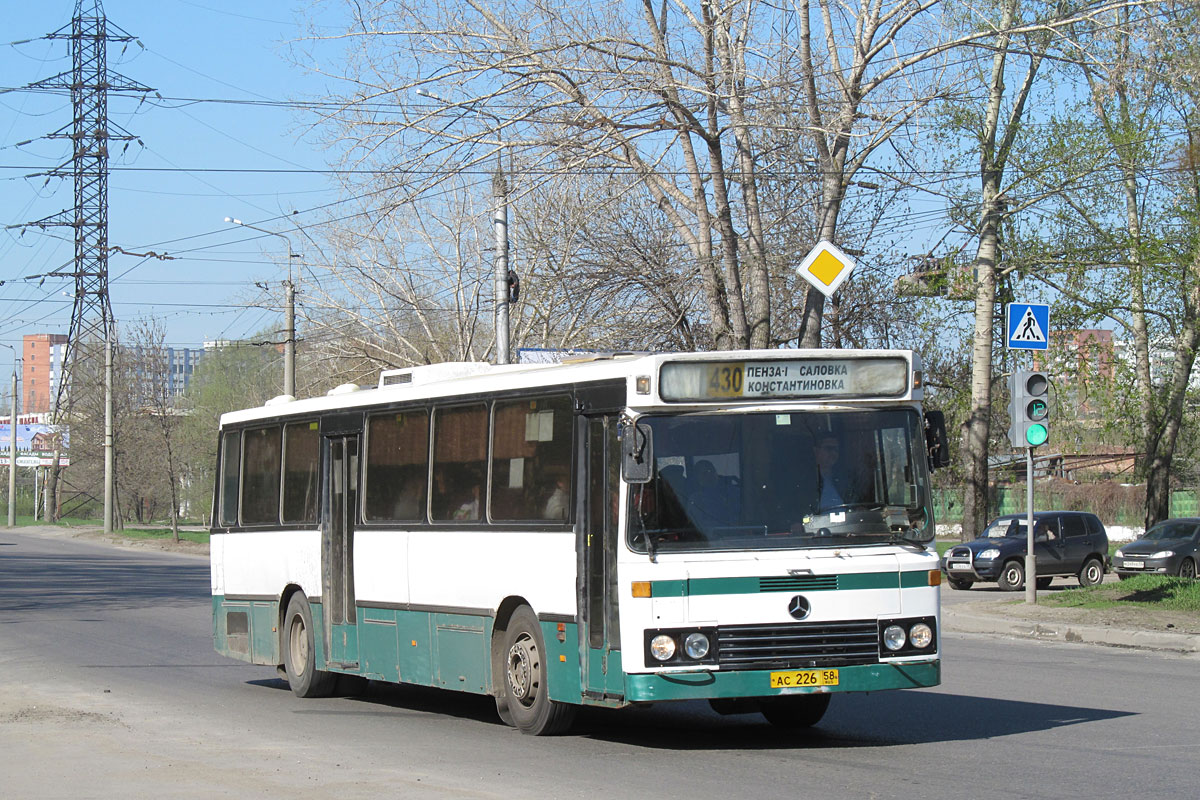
(735, 481)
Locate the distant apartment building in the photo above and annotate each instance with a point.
(41, 370)
(1096, 354)
(179, 364)
(1162, 361)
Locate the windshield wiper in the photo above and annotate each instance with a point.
(899, 537)
(844, 507)
(652, 534)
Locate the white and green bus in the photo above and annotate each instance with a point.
(623, 530)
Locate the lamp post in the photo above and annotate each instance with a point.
(12, 445)
(500, 223)
(289, 344)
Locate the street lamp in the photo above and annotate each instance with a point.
(289, 345)
(12, 444)
(504, 278)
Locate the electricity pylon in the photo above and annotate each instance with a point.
(91, 134)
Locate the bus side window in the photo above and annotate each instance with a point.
(300, 473)
(231, 464)
(459, 463)
(531, 459)
(260, 477)
(397, 466)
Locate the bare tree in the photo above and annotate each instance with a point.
(675, 100)
(407, 289)
(677, 97)
(154, 395)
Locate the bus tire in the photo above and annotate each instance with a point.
(526, 703)
(300, 652)
(794, 711)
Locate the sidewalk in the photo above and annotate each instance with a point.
(1062, 625)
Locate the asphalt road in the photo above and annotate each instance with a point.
(109, 688)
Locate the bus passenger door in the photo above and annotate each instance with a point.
(340, 458)
(597, 513)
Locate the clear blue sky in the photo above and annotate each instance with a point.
(198, 163)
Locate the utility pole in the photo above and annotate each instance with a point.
(504, 279)
(500, 193)
(12, 454)
(91, 134)
(289, 288)
(289, 344)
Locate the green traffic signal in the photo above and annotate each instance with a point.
(1036, 435)
(1029, 408)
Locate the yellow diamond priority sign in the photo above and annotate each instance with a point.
(825, 267)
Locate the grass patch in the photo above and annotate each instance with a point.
(943, 545)
(201, 537)
(1144, 591)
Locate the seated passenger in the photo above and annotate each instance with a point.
(556, 504)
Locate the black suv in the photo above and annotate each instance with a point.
(1064, 542)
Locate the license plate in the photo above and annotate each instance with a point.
(1134, 564)
(960, 565)
(804, 677)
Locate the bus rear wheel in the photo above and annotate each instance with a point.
(300, 653)
(526, 704)
(795, 711)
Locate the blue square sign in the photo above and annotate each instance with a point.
(1028, 326)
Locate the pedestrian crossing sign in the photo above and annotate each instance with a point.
(1028, 326)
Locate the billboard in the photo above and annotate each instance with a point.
(36, 439)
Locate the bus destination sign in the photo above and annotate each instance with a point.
(686, 381)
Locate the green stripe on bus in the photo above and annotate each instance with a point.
(643, 688)
(755, 585)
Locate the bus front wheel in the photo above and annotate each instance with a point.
(299, 652)
(794, 711)
(526, 704)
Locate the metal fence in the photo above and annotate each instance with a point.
(947, 504)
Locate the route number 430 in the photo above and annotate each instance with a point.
(725, 380)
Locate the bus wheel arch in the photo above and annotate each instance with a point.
(299, 652)
(521, 680)
(499, 631)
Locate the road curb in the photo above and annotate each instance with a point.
(958, 622)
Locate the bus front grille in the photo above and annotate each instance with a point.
(798, 645)
(797, 583)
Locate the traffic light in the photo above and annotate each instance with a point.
(1029, 408)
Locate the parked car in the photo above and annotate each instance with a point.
(1065, 543)
(1172, 547)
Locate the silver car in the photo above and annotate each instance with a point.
(1168, 548)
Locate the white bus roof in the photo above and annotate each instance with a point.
(475, 378)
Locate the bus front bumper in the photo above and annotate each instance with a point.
(708, 684)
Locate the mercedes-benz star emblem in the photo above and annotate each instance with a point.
(799, 607)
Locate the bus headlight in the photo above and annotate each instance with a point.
(696, 645)
(662, 647)
(907, 637)
(920, 635)
(680, 647)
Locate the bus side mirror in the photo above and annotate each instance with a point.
(936, 443)
(637, 453)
